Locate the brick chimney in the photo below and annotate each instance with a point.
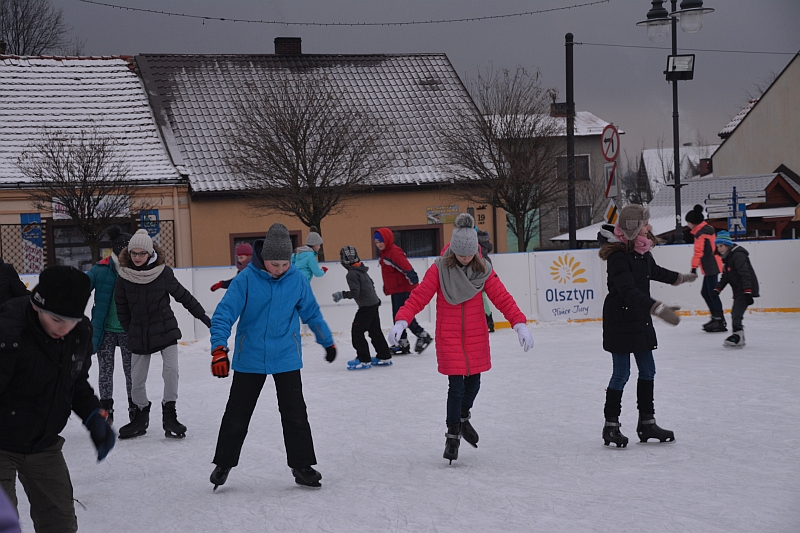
(706, 167)
(288, 46)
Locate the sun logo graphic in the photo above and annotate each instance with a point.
(566, 269)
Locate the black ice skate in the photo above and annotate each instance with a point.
(467, 431)
(403, 348)
(139, 424)
(220, 475)
(423, 341)
(611, 433)
(108, 405)
(452, 443)
(716, 324)
(172, 428)
(648, 429)
(736, 340)
(307, 477)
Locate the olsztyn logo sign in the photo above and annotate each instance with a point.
(566, 269)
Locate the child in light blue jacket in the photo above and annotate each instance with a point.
(305, 258)
(268, 298)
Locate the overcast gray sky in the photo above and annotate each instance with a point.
(625, 86)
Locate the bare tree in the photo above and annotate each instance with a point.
(634, 186)
(301, 147)
(83, 175)
(32, 27)
(504, 154)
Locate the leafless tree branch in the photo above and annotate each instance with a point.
(32, 27)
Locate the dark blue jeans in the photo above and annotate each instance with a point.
(622, 368)
(398, 299)
(461, 395)
(707, 292)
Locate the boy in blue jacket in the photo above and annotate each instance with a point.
(268, 298)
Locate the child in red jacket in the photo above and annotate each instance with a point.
(399, 278)
(462, 347)
(710, 264)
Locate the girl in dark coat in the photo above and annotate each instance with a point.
(627, 322)
(739, 274)
(142, 293)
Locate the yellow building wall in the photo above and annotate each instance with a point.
(214, 220)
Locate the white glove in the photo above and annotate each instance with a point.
(525, 337)
(397, 331)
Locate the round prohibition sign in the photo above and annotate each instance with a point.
(610, 143)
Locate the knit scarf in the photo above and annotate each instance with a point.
(143, 277)
(460, 284)
(641, 245)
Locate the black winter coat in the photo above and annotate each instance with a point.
(627, 323)
(144, 309)
(738, 272)
(10, 284)
(42, 379)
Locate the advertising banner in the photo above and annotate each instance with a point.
(569, 285)
(148, 219)
(32, 243)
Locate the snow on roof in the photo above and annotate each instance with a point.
(70, 93)
(658, 162)
(586, 124)
(730, 126)
(419, 92)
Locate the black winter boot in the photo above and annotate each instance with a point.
(172, 428)
(612, 410)
(220, 475)
(108, 405)
(647, 427)
(717, 323)
(307, 477)
(490, 322)
(131, 409)
(139, 424)
(467, 431)
(452, 443)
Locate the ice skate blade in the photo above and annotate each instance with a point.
(315, 485)
(619, 444)
(667, 440)
(126, 437)
(171, 435)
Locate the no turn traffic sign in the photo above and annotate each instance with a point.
(610, 143)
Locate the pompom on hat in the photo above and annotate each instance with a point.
(141, 240)
(632, 218)
(313, 239)
(63, 291)
(277, 244)
(464, 241)
(695, 216)
(119, 239)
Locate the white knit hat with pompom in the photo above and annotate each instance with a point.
(464, 241)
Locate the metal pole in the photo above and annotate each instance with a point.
(573, 226)
(676, 137)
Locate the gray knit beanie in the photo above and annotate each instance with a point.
(631, 219)
(277, 244)
(313, 239)
(141, 239)
(464, 241)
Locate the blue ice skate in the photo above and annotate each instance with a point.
(356, 364)
(381, 362)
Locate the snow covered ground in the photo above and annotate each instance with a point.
(540, 466)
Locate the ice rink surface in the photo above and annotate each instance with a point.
(540, 466)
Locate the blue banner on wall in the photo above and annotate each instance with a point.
(149, 220)
(32, 243)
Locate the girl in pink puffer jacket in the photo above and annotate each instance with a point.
(462, 338)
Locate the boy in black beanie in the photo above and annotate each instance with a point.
(45, 354)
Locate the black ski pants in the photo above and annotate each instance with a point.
(368, 320)
(244, 394)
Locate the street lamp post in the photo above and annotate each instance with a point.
(659, 22)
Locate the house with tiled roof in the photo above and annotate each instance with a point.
(74, 94)
(193, 98)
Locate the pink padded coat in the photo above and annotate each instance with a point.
(462, 336)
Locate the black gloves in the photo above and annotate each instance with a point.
(206, 320)
(102, 434)
(749, 298)
(694, 271)
(330, 353)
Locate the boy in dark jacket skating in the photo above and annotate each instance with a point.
(627, 321)
(45, 354)
(399, 278)
(142, 295)
(367, 319)
(709, 262)
(738, 272)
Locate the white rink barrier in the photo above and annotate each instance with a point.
(775, 262)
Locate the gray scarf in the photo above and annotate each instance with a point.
(142, 277)
(461, 283)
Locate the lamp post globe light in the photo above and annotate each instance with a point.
(659, 23)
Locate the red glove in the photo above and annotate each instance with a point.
(216, 286)
(220, 364)
(324, 269)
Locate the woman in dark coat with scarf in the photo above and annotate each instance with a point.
(627, 321)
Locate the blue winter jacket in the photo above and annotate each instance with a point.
(104, 277)
(306, 260)
(269, 311)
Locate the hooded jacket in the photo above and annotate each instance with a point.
(42, 379)
(305, 259)
(738, 272)
(144, 309)
(362, 288)
(269, 311)
(103, 275)
(10, 284)
(704, 247)
(398, 274)
(462, 338)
